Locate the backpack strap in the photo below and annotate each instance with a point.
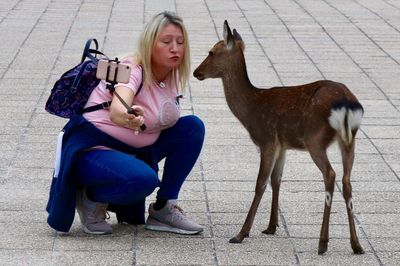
(88, 52)
(103, 105)
(141, 83)
(106, 105)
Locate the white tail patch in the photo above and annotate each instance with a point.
(336, 120)
(344, 120)
(354, 118)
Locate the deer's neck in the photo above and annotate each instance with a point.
(239, 92)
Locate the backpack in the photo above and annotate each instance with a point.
(72, 90)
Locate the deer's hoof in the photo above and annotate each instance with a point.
(323, 247)
(358, 250)
(270, 230)
(235, 240)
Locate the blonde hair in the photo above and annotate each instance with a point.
(146, 42)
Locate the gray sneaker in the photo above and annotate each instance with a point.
(92, 214)
(171, 219)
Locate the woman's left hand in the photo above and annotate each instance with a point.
(119, 114)
(134, 121)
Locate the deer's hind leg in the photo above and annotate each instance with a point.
(276, 178)
(266, 164)
(318, 153)
(348, 159)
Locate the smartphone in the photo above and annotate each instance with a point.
(123, 74)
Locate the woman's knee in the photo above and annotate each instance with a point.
(144, 184)
(151, 183)
(195, 124)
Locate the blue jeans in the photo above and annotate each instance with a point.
(119, 178)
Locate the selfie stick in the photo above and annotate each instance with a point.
(111, 86)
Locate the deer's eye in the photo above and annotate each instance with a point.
(210, 53)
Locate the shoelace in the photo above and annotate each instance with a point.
(100, 213)
(179, 209)
(180, 213)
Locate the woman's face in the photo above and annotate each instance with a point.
(169, 48)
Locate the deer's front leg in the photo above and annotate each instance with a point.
(266, 164)
(276, 177)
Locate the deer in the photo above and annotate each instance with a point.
(308, 117)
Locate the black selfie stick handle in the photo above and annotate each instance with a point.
(131, 111)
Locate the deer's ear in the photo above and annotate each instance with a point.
(238, 39)
(237, 35)
(228, 37)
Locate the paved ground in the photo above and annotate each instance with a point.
(288, 42)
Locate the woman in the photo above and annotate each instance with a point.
(119, 179)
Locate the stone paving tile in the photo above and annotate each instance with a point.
(257, 258)
(27, 256)
(93, 257)
(288, 42)
(336, 245)
(342, 258)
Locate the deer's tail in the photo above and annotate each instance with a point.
(345, 118)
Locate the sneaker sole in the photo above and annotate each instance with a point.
(170, 229)
(87, 231)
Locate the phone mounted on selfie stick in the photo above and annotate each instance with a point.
(111, 82)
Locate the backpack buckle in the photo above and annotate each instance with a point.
(106, 105)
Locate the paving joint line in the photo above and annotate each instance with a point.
(309, 57)
(144, 13)
(295, 40)
(210, 222)
(204, 182)
(337, 44)
(23, 133)
(361, 229)
(260, 45)
(204, 187)
(283, 220)
(108, 25)
(378, 15)
(135, 237)
(362, 31)
(381, 155)
(56, 236)
(352, 59)
(9, 11)
(286, 228)
(23, 43)
(390, 4)
(212, 19)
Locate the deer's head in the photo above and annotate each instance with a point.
(223, 55)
